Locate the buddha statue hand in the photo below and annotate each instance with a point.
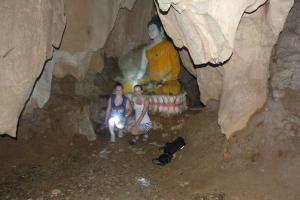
(153, 84)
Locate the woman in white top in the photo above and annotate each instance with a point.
(142, 124)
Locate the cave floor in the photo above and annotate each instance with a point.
(43, 167)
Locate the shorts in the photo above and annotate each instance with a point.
(145, 127)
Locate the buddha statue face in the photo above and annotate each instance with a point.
(153, 31)
(156, 30)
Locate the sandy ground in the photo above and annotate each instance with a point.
(42, 168)
(210, 167)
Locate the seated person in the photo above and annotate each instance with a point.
(117, 112)
(163, 60)
(142, 123)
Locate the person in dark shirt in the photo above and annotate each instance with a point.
(117, 112)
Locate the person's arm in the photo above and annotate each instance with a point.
(128, 108)
(142, 70)
(108, 110)
(145, 109)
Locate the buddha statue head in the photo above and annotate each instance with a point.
(155, 29)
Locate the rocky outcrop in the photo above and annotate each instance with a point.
(208, 28)
(85, 125)
(86, 35)
(29, 31)
(89, 24)
(130, 29)
(283, 109)
(84, 38)
(238, 35)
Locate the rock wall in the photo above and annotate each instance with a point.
(282, 112)
(88, 25)
(130, 29)
(29, 31)
(208, 28)
(92, 26)
(241, 35)
(245, 77)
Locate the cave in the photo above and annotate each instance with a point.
(238, 109)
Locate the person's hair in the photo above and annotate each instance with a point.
(118, 85)
(138, 86)
(155, 20)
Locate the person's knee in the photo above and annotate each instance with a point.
(134, 131)
(137, 132)
(131, 129)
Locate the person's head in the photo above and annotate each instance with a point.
(138, 89)
(118, 89)
(155, 28)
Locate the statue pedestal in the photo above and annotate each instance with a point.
(166, 104)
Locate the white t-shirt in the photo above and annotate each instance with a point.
(138, 111)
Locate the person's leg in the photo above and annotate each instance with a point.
(120, 133)
(136, 133)
(112, 133)
(144, 129)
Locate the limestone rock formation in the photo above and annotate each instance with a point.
(205, 74)
(84, 38)
(29, 31)
(42, 88)
(86, 32)
(130, 29)
(85, 125)
(282, 111)
(214, 31)
(286, 69)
